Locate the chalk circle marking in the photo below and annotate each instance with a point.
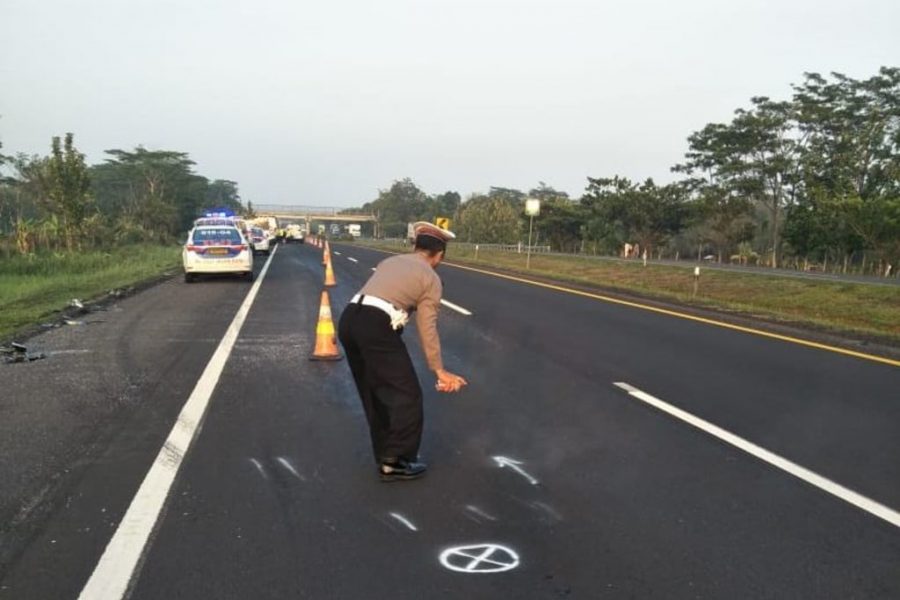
(480, 558)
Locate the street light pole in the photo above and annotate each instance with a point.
(532, 208)
(528, 254)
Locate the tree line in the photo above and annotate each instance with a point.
(814, 179)
(60, 203)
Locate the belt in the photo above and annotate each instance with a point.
(398, 316)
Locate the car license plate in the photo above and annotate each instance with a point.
(218, 251)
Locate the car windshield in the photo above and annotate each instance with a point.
(225, 236)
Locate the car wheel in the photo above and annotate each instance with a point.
(248, 275)
(189, 278)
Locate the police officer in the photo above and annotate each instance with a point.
(370, 330)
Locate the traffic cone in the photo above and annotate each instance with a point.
(329, 274)
(326, 254)
(326, 341)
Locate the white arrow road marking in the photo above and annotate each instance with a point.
(351, 259)
(858, 500)
(404, 520)
(120, 561)
(503, 461)
(455, 307)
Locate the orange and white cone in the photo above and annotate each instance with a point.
(329, 274)
(326, 255)
(326, 340)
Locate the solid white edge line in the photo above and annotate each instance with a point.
(867, 504)
(351, 259)
(118, 565)
(456, 307)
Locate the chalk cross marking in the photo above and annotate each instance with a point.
(503, 461)
(480, 558)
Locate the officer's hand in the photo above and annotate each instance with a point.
(449, 382)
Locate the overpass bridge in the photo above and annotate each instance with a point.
(312, 213)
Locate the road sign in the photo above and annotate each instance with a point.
(480, 558)
(532, 207)
(442, 222)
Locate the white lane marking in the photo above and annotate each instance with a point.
(456, 307)
(474, 509)
(373, 269)
(824, 484)
(284, 462)
(336, 253)
(503, 461)
(260, 468)
(404, 520)
(351, 259)
(119, 563)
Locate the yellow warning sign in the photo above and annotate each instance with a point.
(442, 222)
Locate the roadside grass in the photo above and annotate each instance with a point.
(839, 307)
(33, 287)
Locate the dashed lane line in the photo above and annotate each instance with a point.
(120, 561)
(867, 504)
(456, 307)
(351, 259)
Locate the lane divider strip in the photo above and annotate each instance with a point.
(456, 307)
(847, 495)
(119, 564)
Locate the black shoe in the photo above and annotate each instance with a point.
(401, 470)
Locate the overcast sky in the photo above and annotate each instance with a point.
(325, 103)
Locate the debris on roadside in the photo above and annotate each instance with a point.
(78, 305)
(18, 353)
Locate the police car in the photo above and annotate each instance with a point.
(217, 249)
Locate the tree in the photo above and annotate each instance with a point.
(756, 156)
(851, 163)
(561, 222)
(721, 216)
(620, 211)
(155, 194)
(402, 203)
(488, 220)
(67, 186)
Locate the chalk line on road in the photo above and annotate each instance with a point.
(284, 462)
(515, 465)
(456, 307)
(823, 483)
(119, 563)
(260, 468)
(404, 520)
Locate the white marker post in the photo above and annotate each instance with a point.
(696, 280)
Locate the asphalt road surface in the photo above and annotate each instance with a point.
(179, 446)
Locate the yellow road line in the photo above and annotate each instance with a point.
(672, 313)
(680, 315)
